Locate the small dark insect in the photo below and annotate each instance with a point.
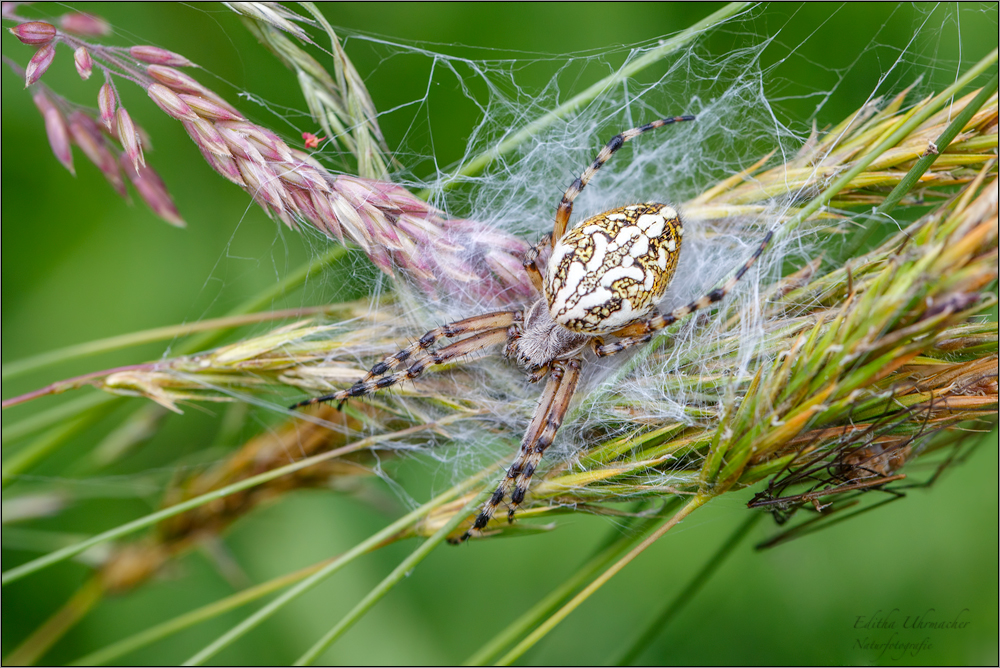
(603, 277)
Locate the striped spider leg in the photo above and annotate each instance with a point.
(485, 331)
(565, 208)
(641, 332)
(548, 417)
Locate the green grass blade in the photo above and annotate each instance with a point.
(47, 418)
(262, 299)
(306, 585)
(390, 581)
(690, 591)
(921, 166)
(578, 101)
(132, 339)
(115, 650)
(19, 572)
(894, 138)
(50, 441)
(561, 614)
(621, 541)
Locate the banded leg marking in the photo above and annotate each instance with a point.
(496, 320)
(466, 346)
(548, 417)
(557, 411)
(530, 263)
(536, 425)
(565, 208)
(640, 332)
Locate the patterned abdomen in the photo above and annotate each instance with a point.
(612, 269)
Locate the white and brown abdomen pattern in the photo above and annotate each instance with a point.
(611, 269)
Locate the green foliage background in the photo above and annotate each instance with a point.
(79, 263)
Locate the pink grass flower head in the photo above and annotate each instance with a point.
(87, 135)
(34, 32)
(153, 192)
(154, 55)
(210, 109)
(129, 138)
(207, 137)
(84, 64)
(170, 103)
(85, 25)
(55, 128)
(107, 101)
(39, 63)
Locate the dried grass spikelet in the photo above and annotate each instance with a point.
(130, 564)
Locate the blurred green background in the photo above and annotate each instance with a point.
(79, 264)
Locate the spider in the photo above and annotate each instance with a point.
(603, 277)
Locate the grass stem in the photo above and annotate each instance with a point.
(563, 612)
(578, 101)
(685, 596)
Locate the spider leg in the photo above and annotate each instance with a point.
(548, 417)
(566, 204)
(479, 323)
(467, 346)
(530, 262)
(556, 413)
(642, 331)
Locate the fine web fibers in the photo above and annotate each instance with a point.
(518, 192)
(737, 122)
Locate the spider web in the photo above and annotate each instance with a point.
(746, 106)
(753, 89)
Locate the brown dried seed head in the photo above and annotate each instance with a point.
(107, 101)
(39, 63)
(83, 62)
(87, 25)
(129, 138)
(170, 102)
(34, 32)
(157, 56)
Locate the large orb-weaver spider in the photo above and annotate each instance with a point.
(603, 277)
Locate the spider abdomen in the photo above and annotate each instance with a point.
(611, 269)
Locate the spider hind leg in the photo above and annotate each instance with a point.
(548, 417)
(640, 332)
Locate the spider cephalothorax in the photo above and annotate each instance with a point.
(603, 277)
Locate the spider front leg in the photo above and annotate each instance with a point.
(565, 208)
(641, 332)
(541, 432)
(478, 323)
(530, 263)
(486, 331)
